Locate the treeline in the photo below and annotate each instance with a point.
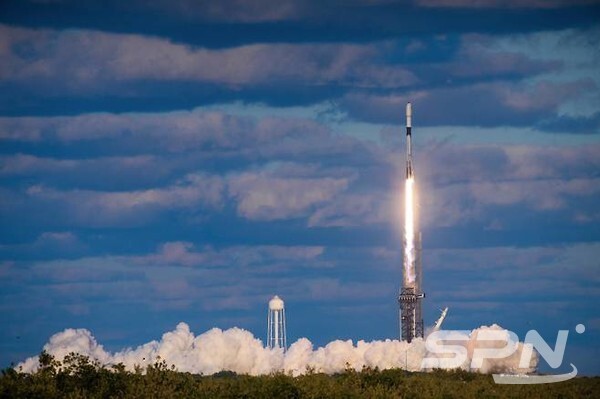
(77, 376)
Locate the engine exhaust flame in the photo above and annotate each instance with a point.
(409, 234)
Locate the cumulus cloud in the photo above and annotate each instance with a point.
(542, 178)
(209, 135)
(105, 208)
(230, 10)
(498, 104)
(485, 178)
(173, 131)
(262, 196)
(23, 164)
(177, 275)
(541, 195)
(116, 57)
(369, 83)
(239, 351)
(101, 173)
(571, 124)
(534, 277)
(465, 203)
(480, 56)
(353, 210)
(323, 184)
(505, 3)
(184, 254)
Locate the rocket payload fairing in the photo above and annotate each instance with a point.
(411, 294)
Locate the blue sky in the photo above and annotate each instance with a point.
(173, 161)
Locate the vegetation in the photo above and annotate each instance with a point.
(79, 377)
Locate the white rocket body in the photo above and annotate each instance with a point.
(409, 163)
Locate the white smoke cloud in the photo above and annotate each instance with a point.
(239, 351)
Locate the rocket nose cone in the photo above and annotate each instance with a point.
(408, 109)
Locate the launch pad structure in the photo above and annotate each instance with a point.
(411, 294)
(411, 314)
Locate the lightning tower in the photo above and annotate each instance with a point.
(411, 294)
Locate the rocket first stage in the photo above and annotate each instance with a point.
(411, 295)
(409, 166)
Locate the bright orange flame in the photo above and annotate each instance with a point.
(409, 232)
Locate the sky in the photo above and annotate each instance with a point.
(168, 161)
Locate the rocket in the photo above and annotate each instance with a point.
(411, 316)
(409, 162)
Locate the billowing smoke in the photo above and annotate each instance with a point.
(239, 351)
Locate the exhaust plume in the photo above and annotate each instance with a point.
(409, 234)
(239, 351)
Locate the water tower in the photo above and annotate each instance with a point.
(276, 324)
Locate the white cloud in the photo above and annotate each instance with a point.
(463, 203)
(354, 210)
(230, 10)
(526, 274)
(179, 253)
(263, 196)
(105, 208)
(89, 57)
(504, 3)
(542, 178)
(213, 134)
(539, 195)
